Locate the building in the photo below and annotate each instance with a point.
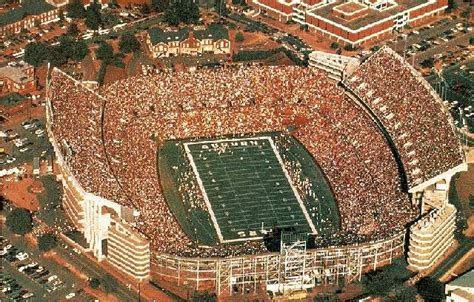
(336, 66)
(28, 15)
(431, 237)
(17, 77)
(213, 39)
(461, 289)
(353, 22)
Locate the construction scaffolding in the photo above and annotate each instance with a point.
(295, 267)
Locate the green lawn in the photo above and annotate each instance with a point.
(51, 212)
(246, 186)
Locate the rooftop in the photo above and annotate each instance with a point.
(17, 72)
(465, 280)
(29, 7)
(372, 15)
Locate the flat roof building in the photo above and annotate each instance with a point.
(352, 22)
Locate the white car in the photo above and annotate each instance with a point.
(52, 278)
(70, 296)
(39, 132)
(27, 295)
(22, 256)
(23, 150)
(28, 125)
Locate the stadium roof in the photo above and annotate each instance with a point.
(29, 7)
(213, 31)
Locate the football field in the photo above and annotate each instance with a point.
(246, 188)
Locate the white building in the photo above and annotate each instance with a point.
(461, 289)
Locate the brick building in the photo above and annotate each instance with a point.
(353, 22)
(17, 77)
(28, 15)
(213, 39)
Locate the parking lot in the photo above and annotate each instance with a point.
(28, 276)
(434, 41)
(23, 142)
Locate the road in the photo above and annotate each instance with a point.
(453, 258)
(93, 270)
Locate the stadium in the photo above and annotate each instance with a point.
(251, 177)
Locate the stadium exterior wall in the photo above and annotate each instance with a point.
(109, 237)
(228, 276)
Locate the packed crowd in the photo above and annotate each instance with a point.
(142, 112)
(412, 114)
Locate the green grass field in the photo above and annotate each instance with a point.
(245, 185)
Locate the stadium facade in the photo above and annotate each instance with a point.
(352, 22)
(104, 212)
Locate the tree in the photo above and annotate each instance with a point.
(334, 45)
(145, 9)
(75, 10)
(109, 19)
(430, 289)
(466, 14)
(451, 5)
(94, 283)
(471, 40)
(19, 221)
(105, 53)
(160, 5)
(72, 29)
(57, 55)
(185, 11)
(220, 7)
(35, 53)
(171, 16)
(47, 242)
(404, 293)
(93, 16)
(428, 63)
(383, 281)
(128, 43)
(239, 37)
(110, 284)
(79, 51)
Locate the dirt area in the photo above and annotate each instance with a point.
(33, 112)
(62, 262)
(19, 191)
(252, 41)
(88, 69)
(114, 73)
(100, 295)
(280, 59)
